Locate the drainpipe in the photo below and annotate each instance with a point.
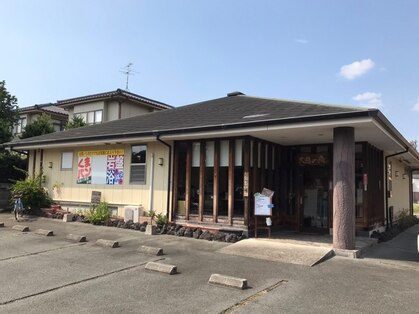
(150, 206)
(386, 178)
(168, 176)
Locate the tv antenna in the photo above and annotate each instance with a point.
(127, 70)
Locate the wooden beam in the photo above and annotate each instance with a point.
(231, 181)
(216, 181)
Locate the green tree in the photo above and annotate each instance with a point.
(76, 122)
(9, 114)
(42, 125)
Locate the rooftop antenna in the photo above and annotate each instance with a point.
(127, 70)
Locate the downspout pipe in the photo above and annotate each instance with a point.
(386, 178)
(169, 174)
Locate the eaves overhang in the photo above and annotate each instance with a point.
(215, 130)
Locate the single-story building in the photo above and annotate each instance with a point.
(331, 168)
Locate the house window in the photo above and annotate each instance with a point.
(66, 160)
(138, 164)
(91, 117)
(20, 125)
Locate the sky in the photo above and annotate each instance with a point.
(356, 52)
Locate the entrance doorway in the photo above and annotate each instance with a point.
(314, 199)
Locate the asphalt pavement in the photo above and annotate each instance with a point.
(40, 274)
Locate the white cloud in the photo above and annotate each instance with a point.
(356, 69)
(416, 106)
(369, 100)
(301, 41)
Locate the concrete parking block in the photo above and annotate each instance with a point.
(20, 228)
(1, 224)
(44, 232)
(76, 237)
(238, 283)
(107, 243)
(162, 268)
(149, 250)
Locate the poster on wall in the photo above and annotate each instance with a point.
(101, 167)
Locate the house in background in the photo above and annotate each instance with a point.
(109, 106)
(332, 168)
(27, 115)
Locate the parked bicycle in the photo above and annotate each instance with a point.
(18, 207)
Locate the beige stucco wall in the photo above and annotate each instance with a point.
(91, 106)
(127, 110)
(130, 110)
(62, 186)
(400, 192)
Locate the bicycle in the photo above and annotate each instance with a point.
(18, 208)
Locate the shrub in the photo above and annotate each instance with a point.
(32, 194)
(161, 220)
(98, 214)
(405, 220)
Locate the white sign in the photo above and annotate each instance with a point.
(263, 205)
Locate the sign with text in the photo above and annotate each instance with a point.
(101, 167)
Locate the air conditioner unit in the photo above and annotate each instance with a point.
(132, 213)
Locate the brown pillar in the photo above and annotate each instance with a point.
(343, 188)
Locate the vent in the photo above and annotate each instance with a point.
(234, 94)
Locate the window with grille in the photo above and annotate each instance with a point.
(138, 164)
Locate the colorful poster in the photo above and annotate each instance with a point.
(84, 175)
(115, 169)
(101, 167)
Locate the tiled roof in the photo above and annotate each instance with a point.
(222, 113)
(113, 94)
(49, 107)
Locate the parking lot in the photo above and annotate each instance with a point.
(41, 274)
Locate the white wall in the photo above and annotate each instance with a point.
(62, 186)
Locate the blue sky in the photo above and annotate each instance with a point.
(340, 52)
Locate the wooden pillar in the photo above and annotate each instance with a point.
(262, 165)
(175, 181)
(231, 181)
(246, 174)
(202, 166)
(216, 181)
(344, 188)
(188, 180)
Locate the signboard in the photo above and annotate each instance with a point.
(101, 167)
(263, 205)
(96, 196)
(246, 184)
(318, 159)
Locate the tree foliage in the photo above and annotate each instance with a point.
(12, 167)
(9, 113)
(76, 122)
(31, 192)
(42, 125)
